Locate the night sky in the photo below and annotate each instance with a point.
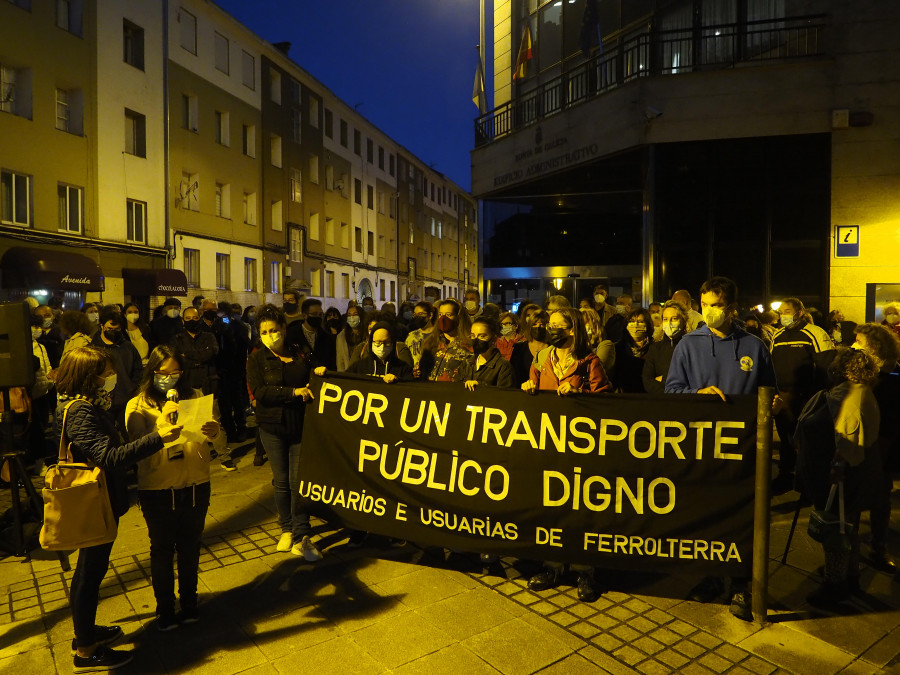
(410, 63)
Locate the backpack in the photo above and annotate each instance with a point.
(815, 443)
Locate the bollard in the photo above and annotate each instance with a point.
(760, 587)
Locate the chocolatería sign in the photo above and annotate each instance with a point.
(623, 481)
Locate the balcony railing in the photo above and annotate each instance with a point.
(656, 52)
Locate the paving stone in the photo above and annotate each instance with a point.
(683, 628)
(606, 661)
(607, 642)
(666, 636)
(422, 587)
(739, 670)
(690, 649)
(625, 633)
(320, 659)
(516, 647)
(630, 655)
(583, 610)
(469, 613)
(620, 613)
(574, 664)
(563, 600)
(451, 660)
(694, 669)
(715, 663)
(731, 653)
(795, 650)
(658, 616)
(527, 598)
(544, 608)
(603, 621)
(641, 624)
(584, 629)
(401, 639)
(706, 640)
(651, 667)
(647, 645)
(672, 658)
(563, 618)
(638, 606)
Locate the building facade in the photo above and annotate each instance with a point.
(652, 143)
(199, 159)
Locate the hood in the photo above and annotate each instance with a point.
(729, 341)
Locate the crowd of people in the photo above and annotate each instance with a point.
(114, 371)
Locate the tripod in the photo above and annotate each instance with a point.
(17, 473)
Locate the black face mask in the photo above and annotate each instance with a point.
(192, 326)
(480, 346)
(539, 333)
(418, 322)
(290, 307)
(210, 315)
(113, 335)
(333, 322)
(314, 321)
(557, 337)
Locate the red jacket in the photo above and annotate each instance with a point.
(586, 375)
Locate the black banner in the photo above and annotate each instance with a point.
(656, 483)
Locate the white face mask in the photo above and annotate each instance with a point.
(714, 317)
(109, 383)
(94, 318)
(507, 330)
(621, 309)
(471, 305)
(132, 318)
(382, 351)
(173, 313)
(671, 328)
(36, 332)
(272, 340)
(599, 298)
(353, 321)
(786, 320)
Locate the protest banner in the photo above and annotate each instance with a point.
(655, 483)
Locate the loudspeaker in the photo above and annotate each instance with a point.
(16, 353)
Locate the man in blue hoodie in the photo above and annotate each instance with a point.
(720, 359)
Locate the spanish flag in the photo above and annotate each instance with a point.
(525, 54)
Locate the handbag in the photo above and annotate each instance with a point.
(77, 510)
(828, 528)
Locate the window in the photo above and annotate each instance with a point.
(248, 140)
(71, 207)
(133, 44)
(296, 185)
(296, 125)
(370, 197)
(381, 158)
(192, 267)
(314, 169)
(370, 150)
(370, 241)
(329, 123)
(316, 282)
(357, 239)
(135, 133)
(344, 133)
(189, 112)
(249, 274)
(314, 226)
(68, 15)
(223, 271)
(357, 190)
(345, 235)
(136, 218)
(62, 110)
(295, 91)
(274, 277)
(381, 289)
(248, 70)
(8, 89)
(188, 30)
(393, 297)
(357, 141)
(275, 86)
(275, 150)
(249, 208)
(223, 128)
(189, 191)
(277, 216)
(345, 285)
(222, 57)
(314, 112)
(329, 283)
(391, 164)
(296, 244)
(329, 231)
(223, 200)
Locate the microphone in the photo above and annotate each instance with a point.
(172, 395)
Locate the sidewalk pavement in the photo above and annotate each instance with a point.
(384, 610)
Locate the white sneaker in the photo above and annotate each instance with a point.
(307, 549)
(284, 542)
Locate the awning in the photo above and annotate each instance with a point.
(34, 268)
(154, 282)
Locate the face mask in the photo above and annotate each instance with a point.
(333, 322)
(671, 329)
(599, 298)
(382, 351)
(36, 332)
(112, 335)
(786, 320)
(273, 340)
(714, 317)
(557, 337)
(407, 316)
(471, 305)
(507, 330)
(418, 322)
(290, 307)
(48, 322)
(353, 321)
(621, 309)
(173, 313)
(314, 321)
(165, 382)
(892, 319)
(94, 318)
(539, 333)
(132, 318)
(210, 315)
(637, 332)
(447, 324)
(480, 346)
(192, 326)
(109, 383)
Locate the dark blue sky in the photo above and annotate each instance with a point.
(411, 63)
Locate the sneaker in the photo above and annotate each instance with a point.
(284, 542)
(166, 622)
(103, 658)
(189, 615)
(307, 549)
(707, 590)
(545, 580)
(741, 606)
(103, 635)
(588, 591)
(228, 465)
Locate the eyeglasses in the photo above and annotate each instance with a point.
(637, 323)
(558, 326)
(452, 315)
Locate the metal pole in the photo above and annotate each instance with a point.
(760, 588)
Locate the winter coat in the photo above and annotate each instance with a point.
(496, 371)
(659, 356)
(585, 375)
(199, 359)
(272, 383)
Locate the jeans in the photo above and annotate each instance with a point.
(284, 458)
(175, 521)
(84, 592)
